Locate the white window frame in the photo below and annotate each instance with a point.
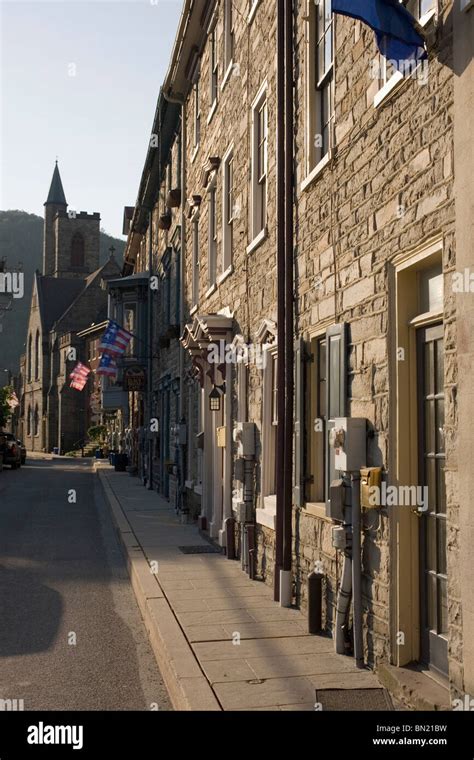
(253, 5)
(213, 71)
(389, 83)
(259, 180)
(228, 205)
(212, 234)
(195, 261)
(229, 39)
(317, 86)
(266, 513)
(196, 116)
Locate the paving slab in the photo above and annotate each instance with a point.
(195, 605)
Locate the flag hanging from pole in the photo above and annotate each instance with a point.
(115, 339)
(79, 376)
(107, 366)
(394, 27)
(12, 401)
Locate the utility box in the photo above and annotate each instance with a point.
(221, 436)
(244, 437)
(339, 537)
(370, 482)
(335, 504)
(349, 440)
(242, 511)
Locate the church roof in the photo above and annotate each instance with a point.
(56, 191)
(55, 295)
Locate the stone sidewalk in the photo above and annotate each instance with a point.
(197, 607)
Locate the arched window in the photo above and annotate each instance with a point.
(29, 357)
(37, 355)
(77, 250)
(36, 421)
(28, 421)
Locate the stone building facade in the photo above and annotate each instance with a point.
(65, 299)
(378, 225)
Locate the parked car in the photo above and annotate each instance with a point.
(10, 449)
(23, 451)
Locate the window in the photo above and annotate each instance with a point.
(388, 75)
(259, 165)
(213, 68)
(28, 421)
(228, 209)
(130, 324)
(212, 244)
(37, 355)
(195, 268)
(274, 390)
(197, 115)
(77, 250)
(228, 35)
(320, 83)
(36, 421)
(29, 359)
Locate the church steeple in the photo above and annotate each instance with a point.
(56, 195)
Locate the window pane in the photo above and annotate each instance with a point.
(430, 482)
(431, 600)
(441, 545)
(439, 425)
(439, 366)
(431, 543)
(429, 368)
(430, 426)
(443, 606)
(441, 495)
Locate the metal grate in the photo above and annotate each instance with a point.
(200, 549)
(354, 699)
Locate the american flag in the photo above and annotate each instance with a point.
(79, 376)
(115, 339)
(13, 401)
(107, 366)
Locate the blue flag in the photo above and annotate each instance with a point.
(394, 27)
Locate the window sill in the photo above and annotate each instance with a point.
(198, 490)
(212, 112)
(467, 4)
(225, 274)
(193, 310)
(194, 153)
(210, 291)
(267, 515)
(258, 240)
(189, 484)
(253, 11)
(227, 74)
(314, 173)
(316, 509)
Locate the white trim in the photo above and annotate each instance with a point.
(193, 310)
(253, 11)
(225, 274)
(210, 290)
(262, 235)
(194, 153)
(227, 74)
(212, 111)
(316, 171)
(267, 515)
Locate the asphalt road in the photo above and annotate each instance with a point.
(71, 634)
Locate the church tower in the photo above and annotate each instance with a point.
(71, 241)
(55, 202)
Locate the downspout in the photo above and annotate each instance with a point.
(150, 349)
(357, 571)
(182, 275)
(285, 576)
(280, 188)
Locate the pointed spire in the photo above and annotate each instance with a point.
(56, 193)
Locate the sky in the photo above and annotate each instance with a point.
(79, 81)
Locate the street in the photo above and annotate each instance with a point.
(71, 634)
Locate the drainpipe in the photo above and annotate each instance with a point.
(182, 273)
(150, 349)
(357, 571)
(280, 188)
(285, 577)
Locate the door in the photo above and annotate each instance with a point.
(433, 553)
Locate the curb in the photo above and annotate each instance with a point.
(187, 686)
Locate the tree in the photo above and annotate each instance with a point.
(5, 411)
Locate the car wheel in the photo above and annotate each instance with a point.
(23, 461)
(14, 465)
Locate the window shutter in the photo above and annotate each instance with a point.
(298, 470)
(336, 389)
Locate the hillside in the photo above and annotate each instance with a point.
(21, 242)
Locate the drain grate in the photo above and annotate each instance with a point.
(200, 549)
(354, 699)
